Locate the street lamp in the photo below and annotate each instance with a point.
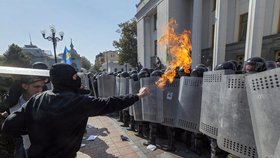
(52, 38)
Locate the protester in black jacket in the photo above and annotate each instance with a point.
(55, 120)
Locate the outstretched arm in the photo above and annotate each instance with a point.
(100, 106)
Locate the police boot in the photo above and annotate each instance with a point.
(152, 134)
(197, 142)
(132, 124)
(188, 139)
(171, 140)
(125, 118)
(139, 129)
(146, 129)
(216, 152)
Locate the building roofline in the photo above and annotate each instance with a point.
(147, 8)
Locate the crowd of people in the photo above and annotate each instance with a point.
(38, 123)
(51, 123)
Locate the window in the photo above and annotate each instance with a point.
(155, 47)
(121, 69)
(243, 26)
(277, 55)
(116, 70)
(155, 22)
(130, 69)
(214, 5)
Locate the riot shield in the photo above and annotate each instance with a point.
(277, 150)
(117, 87)
(91, 80)
(130, 110)
(136, 109)
(210, 107)
(84, 80)
(152, 105)
(100, 85)
(124, 86)
(170, 103)
(23, 71)
(264, 100)
(235, 131)
(188, 112)
(106, 85)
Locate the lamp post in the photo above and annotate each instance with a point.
(52, 38)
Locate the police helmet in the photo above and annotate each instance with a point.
(143, 74)
(257, 63)
(157, 73)
(270, 65)
(151, 70)
(181, 71)
(201, 65)
(235, 63)
(124, 74)
(133, 72)
(228, 65)
(134, 76)
(198, 71)
(145, 69)
(111, 73)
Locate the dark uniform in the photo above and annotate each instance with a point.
(55, 120)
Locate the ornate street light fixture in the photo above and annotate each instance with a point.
(52, 38)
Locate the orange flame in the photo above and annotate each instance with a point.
(178, 47)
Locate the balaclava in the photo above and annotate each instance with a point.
(61, 76)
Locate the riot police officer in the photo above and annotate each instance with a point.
(254, 64)
(134, 77)
(153, 126)
(125, 112)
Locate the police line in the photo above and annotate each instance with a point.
(241, 111)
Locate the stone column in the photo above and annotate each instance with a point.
(254, 36)
(220, 37)
(196, 32)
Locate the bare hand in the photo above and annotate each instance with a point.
(144, 91)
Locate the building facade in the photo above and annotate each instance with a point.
(38, 55)
(109, 61)
(218, 29)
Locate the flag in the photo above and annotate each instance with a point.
(67, 57)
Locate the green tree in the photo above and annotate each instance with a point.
(2, 59)
(85, 63)
(127, 44)
(14, 57)
(95, 68)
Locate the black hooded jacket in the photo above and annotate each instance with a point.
(55, 122)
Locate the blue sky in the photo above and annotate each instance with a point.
(91, 24)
